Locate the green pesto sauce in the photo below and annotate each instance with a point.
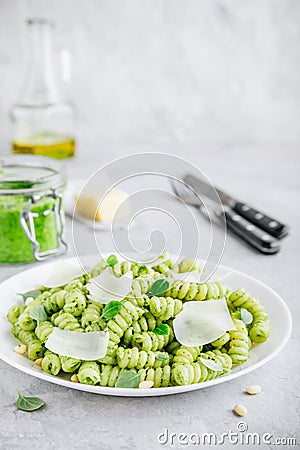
(14, 245)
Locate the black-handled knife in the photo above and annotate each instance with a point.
(248, 232)
(245, 230)
(259, 219)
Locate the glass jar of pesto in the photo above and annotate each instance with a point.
(31, 209)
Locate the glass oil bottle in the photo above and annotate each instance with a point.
(43, 122)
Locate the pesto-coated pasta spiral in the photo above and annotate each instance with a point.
(223, 358)
(161, 376)
(35, 348)
(53, 317)
(142, 271)
(238, 345)
(163, 268)
(186, 355)
(98, 268)
(221, 341)
(147, 340)
(173, 346)
(122, 321)
(51, 363)
(146, 323)
(75, 302)
(132, 358)
(43, 331)
(67, 321)
(111, 355)
(91, 314)
(142, 285)
(24, 336)
(259, 329)
(69, 364)
(26, 322)
(198, 372)
(165, 308)
(14, 313)
(121, 268)
(109, 375)
(89, 373)
(50, 291)
(54, 302)
(100, 325)
(137, 270)
(78, 283)
(186, 265)
(195, 291)
(141, 300)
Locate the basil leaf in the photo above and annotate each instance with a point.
(142, 269)
(162, 329)
(159, 287)
(111, 260)
(111, 309)
(34, 294)
(161, 356)
(246, 316)
(38, 313)
(28, 404)
(211, 364)
(128, 379)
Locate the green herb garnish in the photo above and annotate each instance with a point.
(128, 379)
(246, 316)
(143, 268)
(111, 309)
(38, 313)
(111, 260)
(28, 403)
(161, 356)
(34, 294)
(162, 329)
(210, 364)
(159, 287)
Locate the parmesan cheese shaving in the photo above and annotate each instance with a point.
(62, 273)
(202, 322)
(86, 346)
(106, 287)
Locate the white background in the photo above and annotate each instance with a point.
(155, 72)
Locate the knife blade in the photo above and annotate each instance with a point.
(256, 217)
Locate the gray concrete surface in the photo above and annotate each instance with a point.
(269, 179)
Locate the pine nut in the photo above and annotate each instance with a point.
(38, 362)
(240, 410)
(20, 349)
(253, 390)
(74, 378)
(28, 301)
(147, 384)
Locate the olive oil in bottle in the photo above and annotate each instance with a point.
(54, 147)
(43, 121)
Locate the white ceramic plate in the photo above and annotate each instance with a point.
(280, 318)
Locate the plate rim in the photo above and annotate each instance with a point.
(161, 391)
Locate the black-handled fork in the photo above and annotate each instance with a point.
(245, 230)
(258, 218)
